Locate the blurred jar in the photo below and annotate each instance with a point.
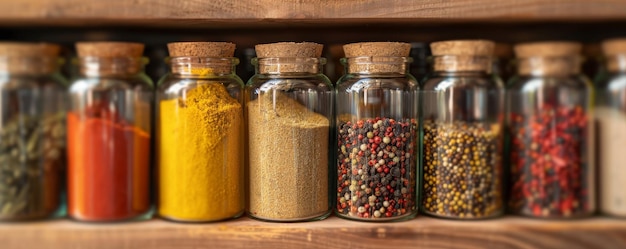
(610, 114)
(32, 131)
(109, 127)
(289, 113)
(463, 120)
(377, 121)
(551, 132)
(200, 134)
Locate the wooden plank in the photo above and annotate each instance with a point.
(508, 232)
(255, 12)
(248, 37)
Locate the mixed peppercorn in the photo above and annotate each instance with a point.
(462, 170)
(376, 168)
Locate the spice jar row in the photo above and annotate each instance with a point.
(290, 146)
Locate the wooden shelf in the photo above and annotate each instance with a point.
(245, 13)
(425, 232)
(239, 21)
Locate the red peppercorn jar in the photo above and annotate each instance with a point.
(551, 133)
(610, 115)
(377, 113)
(463, 119)
(109, 127)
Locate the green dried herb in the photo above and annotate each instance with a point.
(31, 158)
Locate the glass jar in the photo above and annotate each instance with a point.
(610, 115)
(551, 134)
(200, 133)
(289, 113)
(32, 131)
(377, 124)
(109, 130)
(463, 119)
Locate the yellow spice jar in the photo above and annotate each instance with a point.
(200, 134)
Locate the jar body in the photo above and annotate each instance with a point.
(32, 142)
(200, 135)
(610, 113)
(550, 128)
(377, 132)
(289, 144)
(109, 134)
(463, 122)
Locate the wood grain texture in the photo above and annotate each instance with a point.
(423, 232)
(246, 12)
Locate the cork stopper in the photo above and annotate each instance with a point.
(554, 58)
(201, 58)
(614, 46)
(289, 57)
(615, 51)
(28, 58)
(201, 49)
(398, 49)
(463, 47)
(109, 49)
(380, 57)
(26, 49)
(110, 58)
(547, 49)
(462, 55)
(289, 49)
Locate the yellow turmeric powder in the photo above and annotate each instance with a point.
(200, 155)
(200, 71)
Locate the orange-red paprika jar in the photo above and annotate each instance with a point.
(109, 125)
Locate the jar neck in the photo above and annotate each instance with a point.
(29, 65)
(461, 73)
(616, 63)
(462, 63)
(289, 65)
(198, 67)
(377, 65)
(117, 66)
(549, 66)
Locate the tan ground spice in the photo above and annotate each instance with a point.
(288, 149)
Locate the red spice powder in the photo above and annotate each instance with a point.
(108, 170)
